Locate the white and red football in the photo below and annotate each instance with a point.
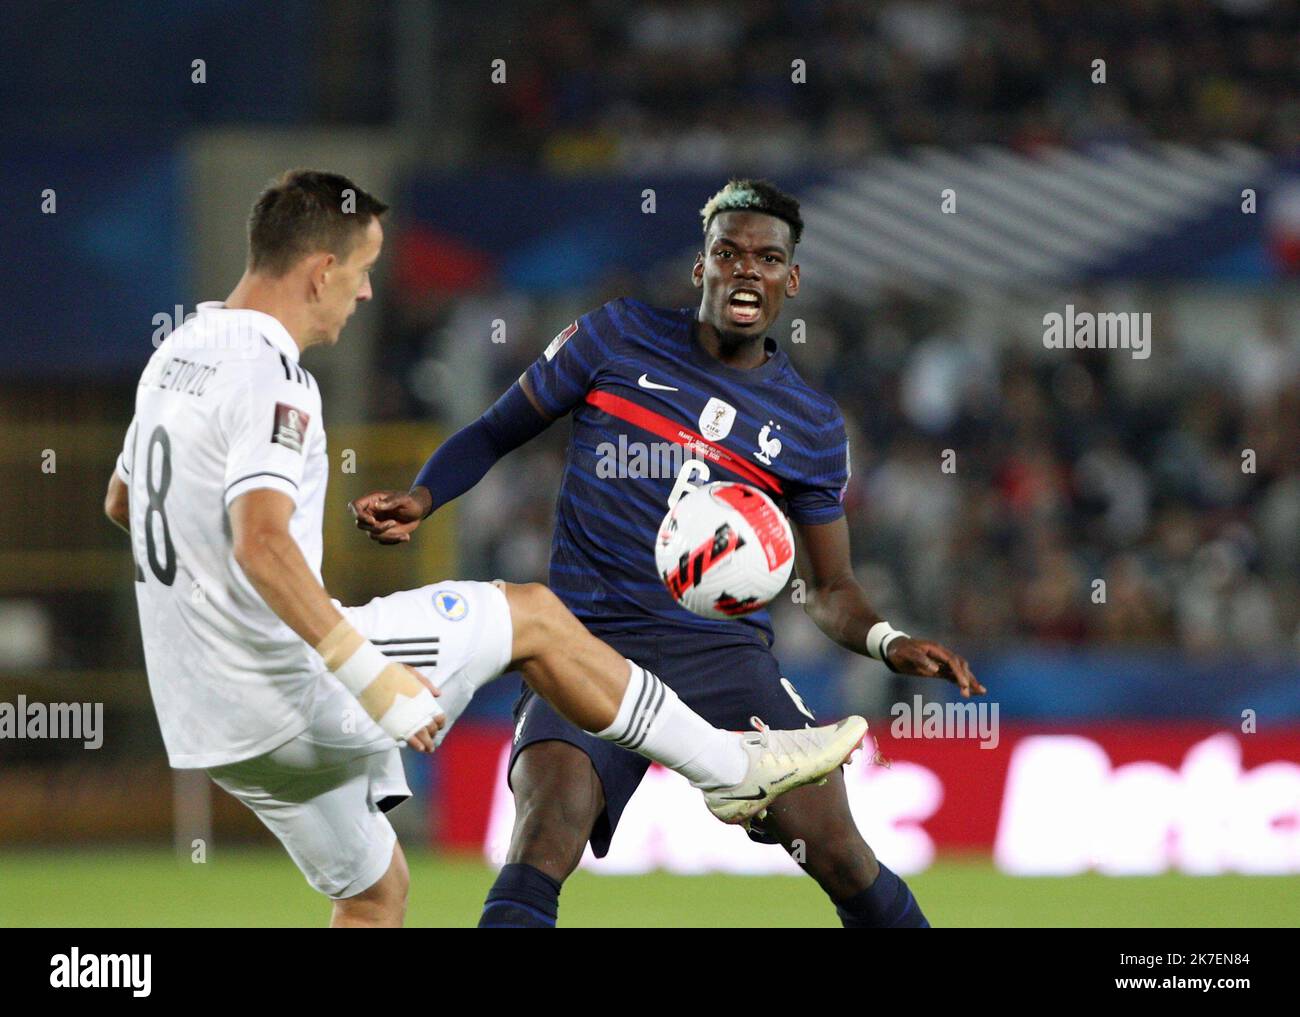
(724, 550)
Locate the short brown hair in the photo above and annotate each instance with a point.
(304, 211)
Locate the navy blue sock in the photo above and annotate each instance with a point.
(885, 904)
(522, 898)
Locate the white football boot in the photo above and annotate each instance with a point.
(780, 761)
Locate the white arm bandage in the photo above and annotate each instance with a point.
(395, 698)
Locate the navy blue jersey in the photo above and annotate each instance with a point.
(644, 395)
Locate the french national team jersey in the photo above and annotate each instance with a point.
(645, 397)
(222, 408)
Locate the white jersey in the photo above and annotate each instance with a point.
(222, 409)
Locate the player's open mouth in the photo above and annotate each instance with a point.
(745, 306)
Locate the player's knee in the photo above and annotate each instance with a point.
(551, 834)
(557, 801)
(564, 816)
(383, 903)
(538, 617)
(399, 880)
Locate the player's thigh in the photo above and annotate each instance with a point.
(539, 621)
(330, 820)
(442, 627)
(457, 634)
(558, 798)
(730, 684)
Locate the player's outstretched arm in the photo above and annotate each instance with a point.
(397, 697)
(390, 517)
(838, 604)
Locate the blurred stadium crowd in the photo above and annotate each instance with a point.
(611, 84)
(707, 83)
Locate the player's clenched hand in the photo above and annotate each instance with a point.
(930, 660)
(422, 740)
(391, 516)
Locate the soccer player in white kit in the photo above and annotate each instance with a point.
(293, 703)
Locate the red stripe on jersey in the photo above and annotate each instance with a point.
(660, 425)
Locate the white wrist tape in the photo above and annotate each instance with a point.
(397, 700)
(879, 636)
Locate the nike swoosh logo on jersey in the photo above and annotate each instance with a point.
(645, 382)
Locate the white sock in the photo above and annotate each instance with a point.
(651, 720)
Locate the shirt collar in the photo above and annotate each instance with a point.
(268, 325)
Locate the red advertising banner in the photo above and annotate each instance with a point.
(1043, 800)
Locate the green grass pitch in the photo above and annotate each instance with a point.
(260, 887)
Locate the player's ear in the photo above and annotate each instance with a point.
(792, 283)
(697, 271)
(319, 269)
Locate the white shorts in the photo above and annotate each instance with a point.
(325, 792)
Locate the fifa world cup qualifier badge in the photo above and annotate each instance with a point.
(290, 427)
(716, 419)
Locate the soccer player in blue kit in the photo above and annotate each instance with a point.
(710, 381)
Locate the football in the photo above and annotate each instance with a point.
(724, 550)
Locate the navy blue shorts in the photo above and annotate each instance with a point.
(726, 683)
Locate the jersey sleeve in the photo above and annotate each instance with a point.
(269, 421)
(126, 458)
(819, 496)
(563, 375)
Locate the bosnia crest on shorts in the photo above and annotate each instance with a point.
(450, 605)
